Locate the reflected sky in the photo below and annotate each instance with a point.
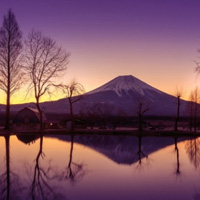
(99, 167)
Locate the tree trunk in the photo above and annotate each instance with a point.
(140, 117)
(40, 114)
(71, 114)
(7, 125)
(195, 117)
(178, 112)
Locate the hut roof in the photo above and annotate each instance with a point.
(24, 113)
(35, 110)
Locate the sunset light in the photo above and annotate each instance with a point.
(99, 99)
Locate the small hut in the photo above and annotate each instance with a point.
(27, 119)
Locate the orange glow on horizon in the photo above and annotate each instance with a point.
(168, 87)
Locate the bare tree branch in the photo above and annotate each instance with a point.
(11, 70)
(73, 92)
(44, 63)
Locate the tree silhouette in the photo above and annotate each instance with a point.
(142, 109)
(178, 96)
(90, 112)
(11, 73)
(193, 108)
(44, 63)
(73, 92)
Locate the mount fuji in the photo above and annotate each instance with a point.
(124, 93)
(121, 95)
(125, 84)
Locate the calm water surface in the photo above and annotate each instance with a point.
(99, 167)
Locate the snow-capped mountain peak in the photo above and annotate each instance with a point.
(124, 84)
(119, 96)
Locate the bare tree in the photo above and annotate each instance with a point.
(142, 109)
(105, 112)
(44, 63)
(90, 113)
(196, 96)
(178, 96)
(193, 108)
(10, 69)
(190, 110)
(73, 91)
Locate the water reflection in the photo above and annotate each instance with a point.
(110, 160)
(74, 171)
(193, 150)
(177, 157)
(42, 186)
(122, 149)
(27, 139)
(192, 147)
(140, 152)
(5, 176)
(10, 187)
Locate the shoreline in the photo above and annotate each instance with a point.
(144, 133)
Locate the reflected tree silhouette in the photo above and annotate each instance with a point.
(177, 157)
(74, 171)
(193, 150)
(41, 187)
(10, 187)
(140, 153)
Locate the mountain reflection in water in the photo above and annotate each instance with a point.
(122, 149)
(95, 167)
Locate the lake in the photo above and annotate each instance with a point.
(99, 167)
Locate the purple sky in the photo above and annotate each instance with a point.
(154, 40)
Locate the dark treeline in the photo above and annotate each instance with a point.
(112, 122)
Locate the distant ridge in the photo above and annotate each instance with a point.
(120, 95)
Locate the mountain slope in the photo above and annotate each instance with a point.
(124, 93)
(121, 95)
(125, 84)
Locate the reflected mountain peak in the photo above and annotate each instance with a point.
(121, 149)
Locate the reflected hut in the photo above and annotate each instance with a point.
(27, 139)
(27, 119)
